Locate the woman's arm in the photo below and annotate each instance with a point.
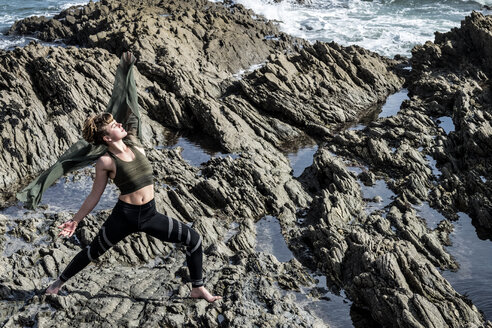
(97, 188)
(131, 122)
(124, 99)
(103, 165)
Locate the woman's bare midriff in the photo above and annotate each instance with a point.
(139, 197)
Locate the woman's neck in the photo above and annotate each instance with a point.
(117, 147)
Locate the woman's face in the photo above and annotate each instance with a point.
(115, 131)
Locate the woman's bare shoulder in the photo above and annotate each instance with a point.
(105, 161)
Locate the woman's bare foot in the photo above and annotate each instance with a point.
(201, 292)
(54, 288)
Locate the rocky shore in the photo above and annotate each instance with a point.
(221, 72)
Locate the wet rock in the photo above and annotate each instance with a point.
(188, 89)
(360, 255)
(314, 77)
(189, 54)
(459, 61)
(244, 240)
(368, 178)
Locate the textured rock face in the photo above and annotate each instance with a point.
(394, 245)
(188, 54)
(183, 84)
(202, 34)
(451, 79)
(323, 86)
(382, 260)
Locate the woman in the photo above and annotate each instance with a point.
(127, 165)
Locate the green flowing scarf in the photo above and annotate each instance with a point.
(124, 108)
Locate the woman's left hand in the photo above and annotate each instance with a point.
(68, 228)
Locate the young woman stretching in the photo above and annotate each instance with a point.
(131, 171)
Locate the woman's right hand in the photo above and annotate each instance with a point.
(129, 58)
(68, 228)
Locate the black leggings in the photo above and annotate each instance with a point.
(126, 219)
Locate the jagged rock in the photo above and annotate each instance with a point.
(459, 62)
(367, 177)
(188, 56)
(324, 78)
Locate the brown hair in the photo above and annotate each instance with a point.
(93, 130)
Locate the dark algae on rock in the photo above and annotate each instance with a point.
(387, 261)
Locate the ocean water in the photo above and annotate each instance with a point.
(11, 11)
(388, 27)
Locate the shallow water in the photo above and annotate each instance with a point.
(14, 244)
(446, 123)
(191, 152)
(335, 312)
(301, 159)
(333, 309)
(390, 107)
(357, 127)
(392, 104)
(67, 194)
(475, 274)
(433, 165)
(270, 240)
(195, 149)
(378, 196)
(431, 216)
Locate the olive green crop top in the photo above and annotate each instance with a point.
(133, 175)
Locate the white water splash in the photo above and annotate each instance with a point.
(387, 27)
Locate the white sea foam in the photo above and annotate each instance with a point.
(7, 19)
(239, 75)
(72, 4)
(11, 12)
(482, 2)
(8, 42)
(387, 27)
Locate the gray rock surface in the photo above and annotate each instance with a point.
(451, 79)
(190, 76)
